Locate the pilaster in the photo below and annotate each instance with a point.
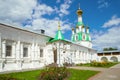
(18, 55)
(33, 51)
(18, 50)
(21, 46)
(3, 48)
(14, 49)
(0, 47)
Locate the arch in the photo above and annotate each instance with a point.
(114, 59)
(104, 59)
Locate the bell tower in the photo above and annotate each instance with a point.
(80, 34)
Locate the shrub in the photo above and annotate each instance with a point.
(100, 64)
(54, 73)
(7, 77)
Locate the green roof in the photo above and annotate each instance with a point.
(58, 36)
(80, 24)
(73, 38)
(80, 36)
(87, 37)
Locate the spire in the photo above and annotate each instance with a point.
(58, 25)
(79, 11)
(79, 6)
(58, 35)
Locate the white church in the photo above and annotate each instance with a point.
(26, 49)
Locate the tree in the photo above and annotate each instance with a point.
(109, 49)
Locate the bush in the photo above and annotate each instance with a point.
(97, 64)
(100, 64)
(54, 73)
(7, 77)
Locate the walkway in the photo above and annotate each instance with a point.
(112, 73)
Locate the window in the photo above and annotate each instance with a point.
(8, 50)
(76, 38)
(25, 52)
(83, 36)
(41, 52)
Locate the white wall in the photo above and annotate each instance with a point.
(109, 57)
(18, 38)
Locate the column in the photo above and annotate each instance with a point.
(21, 54)
(33, 51)
(3, 54)
(18, 55)
(32, 55)
(1, 61)
(18, 50)
(13, 49)
(77, 56)
(83, 56)
(0, 47)
(88, 58)
(29, 51)
(36, 51)
(80, 56)
(4, 49)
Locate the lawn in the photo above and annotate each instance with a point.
(81, 74)
(99, 64)
(32, 75)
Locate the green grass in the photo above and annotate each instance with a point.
(27, 75)
(107, 65)
(81, 74)
(32, 75)
(111, 64)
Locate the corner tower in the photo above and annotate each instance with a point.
(80, 34)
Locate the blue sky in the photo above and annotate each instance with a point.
(102, 16)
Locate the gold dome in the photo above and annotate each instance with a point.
(83, 26)
(77, 27)
(72, 28)
(87, 27)
(79, 12)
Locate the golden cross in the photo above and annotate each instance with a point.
(58, 25)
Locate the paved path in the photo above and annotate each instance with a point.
(112, 73)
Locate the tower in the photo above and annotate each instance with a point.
(59, 35)
(80, 34)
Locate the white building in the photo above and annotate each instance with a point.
(24, 49)
(112, 56)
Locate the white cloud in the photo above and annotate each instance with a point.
(115, 21)
(16, 10)
(108, 38)
(103, 4)
(50, 26)
(64, 7)
(57, 1)
(42, 9)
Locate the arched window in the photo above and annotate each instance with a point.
(114, 59)
(76, 37)
(83, 37)
(104, 59)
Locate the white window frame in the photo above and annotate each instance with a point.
(8, 50)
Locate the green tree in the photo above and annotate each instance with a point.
(109, 49)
